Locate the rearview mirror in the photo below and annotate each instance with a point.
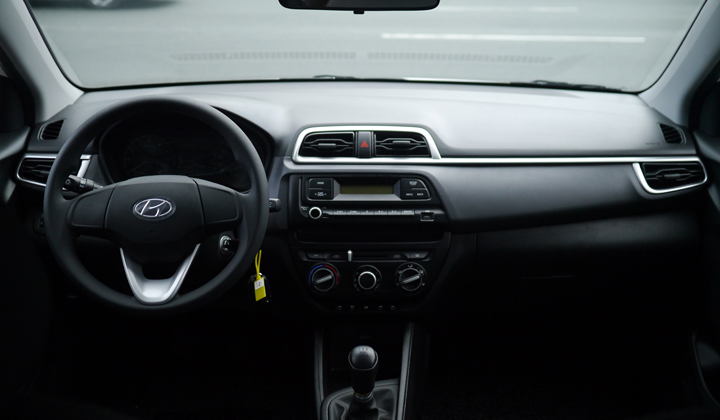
(360, 5)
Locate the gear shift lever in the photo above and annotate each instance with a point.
(364, 365)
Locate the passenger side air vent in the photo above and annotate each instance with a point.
(671, 134)
(404, 144)
(328, 145)
(51, 131)
(672, 176)
(35, 170)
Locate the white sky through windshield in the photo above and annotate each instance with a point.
(621, 44)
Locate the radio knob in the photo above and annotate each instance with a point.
(367, 279)
(315, 213)
(323, 277)
(410, 277)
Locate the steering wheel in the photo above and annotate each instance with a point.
(156, 219)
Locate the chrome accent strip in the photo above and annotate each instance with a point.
(155, 292)
(449, 161)
(648, 188)
(434, 152)
(84, 164)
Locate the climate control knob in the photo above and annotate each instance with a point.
(367, 279)
(323, 277)
(410, 277)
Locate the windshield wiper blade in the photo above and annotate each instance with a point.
(565, 85)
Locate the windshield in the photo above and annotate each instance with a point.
(620, 44)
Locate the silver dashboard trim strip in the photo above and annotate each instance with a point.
(434, 152)
(449, 161)
(84, 164)
(648, 188)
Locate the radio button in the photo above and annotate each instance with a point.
(366, 212)
(411, 183)
(417, 194)
(353, 212)
(312, 255)
(408, 213)
(380, 213)
(339, 212)
(321, 183)
(317, 194)
(395, 212)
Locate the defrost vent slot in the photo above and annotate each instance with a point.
(34, 169)
(667, 177)
(366, 144)
(51, 130)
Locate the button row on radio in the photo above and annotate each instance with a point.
(352, 212)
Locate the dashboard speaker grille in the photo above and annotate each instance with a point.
(666, 176)
(671, 134)
(329, 145)
(389, 143)
(35, 169)
(51, 131)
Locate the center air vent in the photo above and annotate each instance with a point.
(671, 176)
(404, 144)
(328, 145)
(51, 131)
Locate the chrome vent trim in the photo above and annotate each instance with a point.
(84, 164)
(434, 153)
(51, 130)
(637, 168)
(400, 144)
(328, 144)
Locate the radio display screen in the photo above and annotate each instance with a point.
(366, 189)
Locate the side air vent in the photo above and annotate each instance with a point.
(51, 131)
(671, 134)
(328, 145)
(403, 144)
(35, 170)
(672, 176)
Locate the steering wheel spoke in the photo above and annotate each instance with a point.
(155, 291)
(86, 213)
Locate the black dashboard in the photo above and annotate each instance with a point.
(385, 190)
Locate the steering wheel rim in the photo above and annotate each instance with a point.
(254, 203)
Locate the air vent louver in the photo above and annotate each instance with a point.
(51, 131)
(329, 145)
(671, 134)
(668, 176)
(405, 144)
(35, 169)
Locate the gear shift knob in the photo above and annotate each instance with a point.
(364, 366)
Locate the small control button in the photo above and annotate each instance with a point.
(380, 308)
(408, 212)
(418, 194)
(366, 212)
(353, 212)
(410, 183)
(320, 183)
(395, 212)
(316, 194)
(315, 213)
(416, 255)
(427, 216)
(339, 308)
(352, 307)
(339, 212)
(380, 213)
(336, 256)
(314, 255)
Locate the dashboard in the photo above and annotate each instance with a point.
(383, 191)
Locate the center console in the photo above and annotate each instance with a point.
(367, 242)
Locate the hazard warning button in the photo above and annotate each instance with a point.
(364, 144)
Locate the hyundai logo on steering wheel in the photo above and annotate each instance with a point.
(153, 208)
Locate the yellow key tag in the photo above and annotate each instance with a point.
(259, 285)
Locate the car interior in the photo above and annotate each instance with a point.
(340, 247)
